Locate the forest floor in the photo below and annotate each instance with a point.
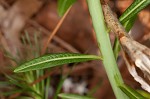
(21, 20)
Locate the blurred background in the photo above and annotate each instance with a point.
(24, 29)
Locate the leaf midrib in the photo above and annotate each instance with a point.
(85, 57)
(132, 10)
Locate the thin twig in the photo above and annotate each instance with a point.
(13, 96)
(56, 38)
(54, 31)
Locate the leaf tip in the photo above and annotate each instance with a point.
(17, 70)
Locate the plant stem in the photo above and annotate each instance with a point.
(62, 79)
(103, 40)
(47, 87)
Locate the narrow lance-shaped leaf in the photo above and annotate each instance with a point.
(52, 60)
(130, 92)
(133, 9)
(24, 87)
(63, 5)
(73, 96)
(144, 93)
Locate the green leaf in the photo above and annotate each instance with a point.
(22, 86)
(144, 93)
(47, 86)
(129, 23)
(133, 9)
(53, 60)
(18, 84)
(63, 5)
(131, 93)
(73, 96)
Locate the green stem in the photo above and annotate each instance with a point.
(47, 88)
(105, 47)
(62, 79)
